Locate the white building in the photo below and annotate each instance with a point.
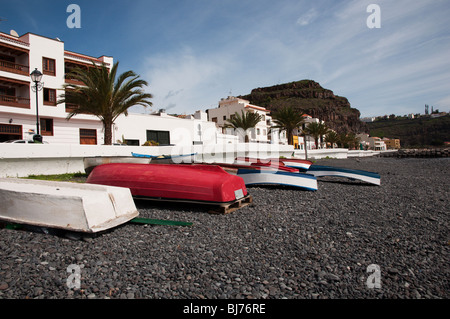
(136, 129)
(310, 142)
(19, 56)
(372, 143)
(261, 133)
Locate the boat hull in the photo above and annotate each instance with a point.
(297, 163)
(299, 180)
(91, 162)
(167, 159)
(280, 162)
(197, 183)
(70, 206)
(369, 177)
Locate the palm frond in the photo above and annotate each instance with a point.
(104, 94)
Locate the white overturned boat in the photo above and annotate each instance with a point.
(71, 206)
(278, 177)
(369, 177)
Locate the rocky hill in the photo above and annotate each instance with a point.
(309, 97)
(418, 132)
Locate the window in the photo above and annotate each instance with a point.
(214, 119)
(10, 132)
(88, 136)
(49, 97)
(7, 91)
(46, 127)
(162, 137)
(132, 142)
(224, 117)
(49, 66)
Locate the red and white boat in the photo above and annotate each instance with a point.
(257, 172)
(207, 184)
(277, 162)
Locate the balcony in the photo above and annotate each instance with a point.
(69, 80)
(14, 93)
(14, 67)
(16, 101)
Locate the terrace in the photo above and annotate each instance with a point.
(14, 93)
(14, 59)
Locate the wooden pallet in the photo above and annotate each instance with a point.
(216, 208)
(231, 207)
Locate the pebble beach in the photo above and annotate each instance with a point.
(334, 243)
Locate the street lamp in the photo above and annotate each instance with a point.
(36, 77)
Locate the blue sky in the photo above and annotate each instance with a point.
(195, 52)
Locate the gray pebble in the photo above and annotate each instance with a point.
(290, 244)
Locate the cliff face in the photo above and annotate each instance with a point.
(309, 97)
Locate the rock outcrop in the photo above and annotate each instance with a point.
(311, 98)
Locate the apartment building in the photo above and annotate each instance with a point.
(392, 144)
(19, 56)
(261, 133)
(371, 143)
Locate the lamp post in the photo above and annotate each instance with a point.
(36, 77)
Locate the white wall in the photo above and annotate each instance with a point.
(182, 131)
(231, 105)
(21, 160)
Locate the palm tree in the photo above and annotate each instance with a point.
(348, 140)
(353, 141)
(343, 140)
(332, 138)
(289, 119)
(103, 95)
(316, 130)
(245, 121)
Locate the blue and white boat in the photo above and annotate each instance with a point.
(278, 177)
(167, 159)
(369, 177)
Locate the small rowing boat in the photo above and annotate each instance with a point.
(206, 184)
(63, 205)
(291, 162)
(278, 177)
(91, 162)
(369, 177)
(167, 159)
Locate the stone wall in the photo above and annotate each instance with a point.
(424, 152)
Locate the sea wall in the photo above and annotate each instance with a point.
(21, 160)
(425, 152)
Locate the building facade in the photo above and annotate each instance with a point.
(261, 133)
(371, 143)
(392, 144)
(19, 56)
(165, 129)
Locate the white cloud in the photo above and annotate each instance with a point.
(307, 18)
(183, 80)
(376, 69)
